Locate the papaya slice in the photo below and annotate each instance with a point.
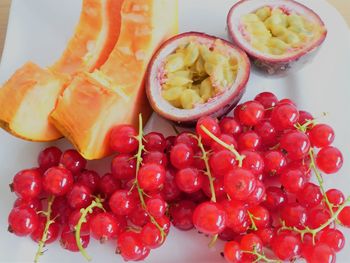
(23, 111)
(92, 104)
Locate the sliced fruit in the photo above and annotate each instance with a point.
(94, 103)
(194, 74)
(94, 37)
(26, 100)
(276, 34)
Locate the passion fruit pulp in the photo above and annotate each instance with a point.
(276, 34)
(194, 74)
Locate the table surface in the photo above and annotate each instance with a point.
(342, 5)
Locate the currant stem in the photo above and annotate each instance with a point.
(261, 257)
(205, 158)
(139, 159)
(213, 241)
(43, 240)
(231, 148)
(319, 180)
(314, 231)
(252, 220)
(84, 212)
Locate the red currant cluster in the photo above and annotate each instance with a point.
(244, 179)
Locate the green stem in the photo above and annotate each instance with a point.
(314, 231)
(231, 148)
(136, 183)
(252, 220)
(205, 158)
(43, 240)
(260, 257)
(213, 240)
(84, 212)
(319, 180)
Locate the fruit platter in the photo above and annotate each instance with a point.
(175, 131)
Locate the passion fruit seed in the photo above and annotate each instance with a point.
(195, 74)
(275, 32)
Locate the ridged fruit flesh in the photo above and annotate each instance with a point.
(26, 100)
(94, 37)
(94, 103)
(23, 112)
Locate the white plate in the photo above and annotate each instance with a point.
(39, 29)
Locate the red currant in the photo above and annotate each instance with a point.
(189, 180)
(52, 232)
(79, 196)
(181, 156)
(130, 246)
(321, 253)
(23, 221)
(151, 236)
(293, 180)
(151, 177)
(329, 159)
(27, 183)
(218, 187)
(239, 183)
(274, 161)
(253, 161)
(57, 181)
(123, 167)
(261, 216)
(333, 238)
(108, 185)
(49, 157)
(156, 206)
(304, 116)
(188, 139)
(321, 135)
(310, 195)
(73, 161)
(181, 214)
(31, 203)
(284, 116)
(335, 197)
(229, 125)
(73, 221)
(267, 99)
(209, 218)
(344, 216)
(251, 113)
(226, 138)
(267, 133)
(258, 195)
(296, 144)
(89, 178)
(266, 235)
(286, 246)
(294, 215)
(170, 191)
(275, 198)
(249, 141)
(211, 125)
(139, 216)
(222, 162)
(104, 226)
(69, 242)
(61, 210)
(123, 139)
(233, 252)
(236, 213)
(122, 202)
(154, 141)
(155, 157)
(251, 242)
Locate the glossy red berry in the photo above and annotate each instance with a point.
(155, 157)
(123, 167)
(73, 161)
(209, 218)
(266, 235)
(253, 161)
(249, 141)
(189, 180)
(258, 195)
(267, 99)
(34, 203)
(181, 156)
(251, 113)
(181, 214)
(219, 188)
(130, 246)
(304, 116)
(294, 215)
(211, 125)
(344, 216)
(104, 226)
(123, 139)
(187, 138)
(79, 196)
(275, 198)
(251, 242)
(335, 197)
(151, 177)
(317, 216)
(284, 116)
(156, 206)
(321, 253)
(274, 162)
(236, 213)
(226, 138)
(239, 183)
(329, 159)
(310, 195)
(23, 221)
(49, 157)
(267, 133)
(221, 162)
(61, 210)
(52, 232)
(233, 252)
(27, 183)
(260, 215)
(108, 185)
(57, 181)
(229, 125)
(293, 180)
(122, 202)
(286, 246)
(321, 135)
(69, 242)
(89, 178)
(170, 191)
(73, 221)
(296, 144)
(139, 216)
(334, 238)
(151, 236)
(154, 141)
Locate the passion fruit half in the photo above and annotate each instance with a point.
(276, 33)
(194, 74)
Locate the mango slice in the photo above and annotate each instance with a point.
(94, 103)
(23, 111)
